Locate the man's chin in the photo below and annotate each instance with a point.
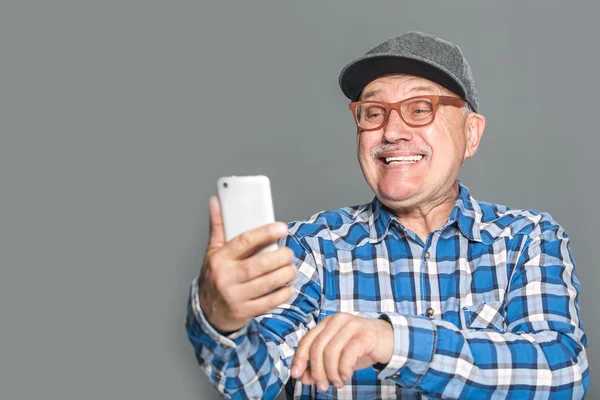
(401, 194)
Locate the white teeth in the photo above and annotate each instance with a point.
(403, 159)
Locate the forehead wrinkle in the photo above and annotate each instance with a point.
(397, 87)
(428, 89)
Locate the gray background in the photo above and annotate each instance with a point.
(119, 116)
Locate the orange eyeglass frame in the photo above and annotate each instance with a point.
(435, 100)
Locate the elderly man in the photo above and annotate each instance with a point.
(424, 292)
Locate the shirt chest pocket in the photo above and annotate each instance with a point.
(484, 316)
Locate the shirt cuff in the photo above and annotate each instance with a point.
(414, 346)
(231, 341)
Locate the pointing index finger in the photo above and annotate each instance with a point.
(303, 351)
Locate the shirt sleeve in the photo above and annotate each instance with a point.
(255, 361)
(539, 353)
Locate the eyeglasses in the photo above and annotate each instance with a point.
(415, 111)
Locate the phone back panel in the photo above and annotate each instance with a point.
(246, 203)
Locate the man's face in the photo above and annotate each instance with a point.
(444, 145)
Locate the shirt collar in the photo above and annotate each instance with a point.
(379, 221)
(466, 213)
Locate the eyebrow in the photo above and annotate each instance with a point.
(373, 93)
(370, 93)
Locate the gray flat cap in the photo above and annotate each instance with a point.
(412, 53)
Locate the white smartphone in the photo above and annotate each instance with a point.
(246, 203)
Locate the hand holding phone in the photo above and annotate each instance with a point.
(238, 281)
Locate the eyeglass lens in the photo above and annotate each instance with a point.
(373, 115)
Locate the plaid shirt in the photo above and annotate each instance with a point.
(485, 307)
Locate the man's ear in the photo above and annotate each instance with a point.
(474, 127)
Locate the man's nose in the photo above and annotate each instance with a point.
(396, 129)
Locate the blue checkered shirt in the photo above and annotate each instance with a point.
(485, 308)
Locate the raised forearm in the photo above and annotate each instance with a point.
(442, 361)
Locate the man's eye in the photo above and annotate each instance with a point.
(375, 112)
(420, 108)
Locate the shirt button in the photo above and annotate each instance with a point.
(430, 311)
(427, 255)
(395, 376)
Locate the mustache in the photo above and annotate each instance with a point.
(422, 149)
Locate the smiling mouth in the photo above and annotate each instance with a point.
(401, 160)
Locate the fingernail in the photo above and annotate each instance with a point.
(322, 387)
(282, 227)
(294, 372)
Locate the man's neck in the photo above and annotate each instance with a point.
(425, 219)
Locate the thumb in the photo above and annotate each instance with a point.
(217, 232)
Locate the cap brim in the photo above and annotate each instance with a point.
(358, 74)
